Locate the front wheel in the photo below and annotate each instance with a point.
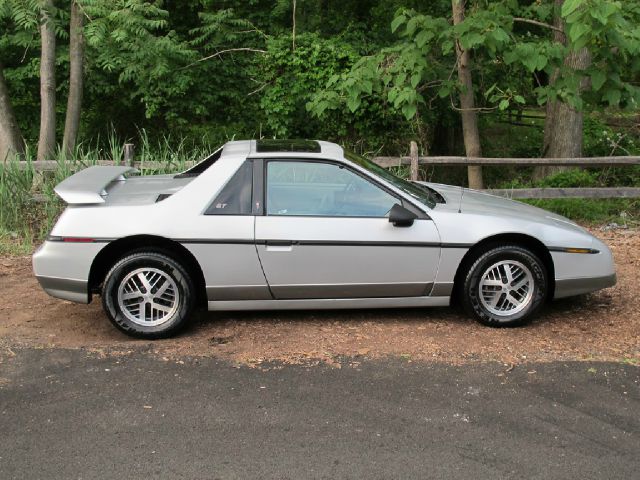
(505, 286)
(148, 295)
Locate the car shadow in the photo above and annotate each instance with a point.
(555, 310)
(342, 316)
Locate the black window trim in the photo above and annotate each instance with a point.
(403, 201)
(258, 189)
(202, 165)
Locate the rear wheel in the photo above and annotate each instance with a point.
(505, 286)
(148, 295)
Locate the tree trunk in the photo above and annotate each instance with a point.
(11, 141)
(563, 124)
(563, 133)
(467, 103)
(47, 140)
(76, 63)
(293, 28)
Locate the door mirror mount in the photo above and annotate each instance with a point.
(401, 217)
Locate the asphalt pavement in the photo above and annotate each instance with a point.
(70, 414)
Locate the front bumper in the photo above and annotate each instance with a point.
(578, 273)
(569, 287)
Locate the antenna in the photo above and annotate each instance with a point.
(461, 197)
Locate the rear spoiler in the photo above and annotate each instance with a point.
(89, 185)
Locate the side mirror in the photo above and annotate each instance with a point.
(400, 216)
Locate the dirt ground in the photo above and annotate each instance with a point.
(601, 326)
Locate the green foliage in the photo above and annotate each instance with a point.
(570, 178)
(506, 49)
(131, 39)
(290, 76)
(398, 75)
(609, 30)
(601, 140)
(368, 73)
(222, 27)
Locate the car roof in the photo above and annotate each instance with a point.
(284, 148)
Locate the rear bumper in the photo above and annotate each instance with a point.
(63, 269)
(65, 288)
(577, 286)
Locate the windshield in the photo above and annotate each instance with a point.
(415, 190)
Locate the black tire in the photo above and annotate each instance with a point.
(181, 284)
(477, 307)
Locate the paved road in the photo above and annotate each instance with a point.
(66, 414)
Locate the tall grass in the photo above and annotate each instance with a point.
(25, 220)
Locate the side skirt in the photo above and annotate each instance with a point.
(330, 303)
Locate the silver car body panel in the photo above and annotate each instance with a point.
(144, 190)
(324, 257)
(331, 304)
(88, 186)
(280, 262)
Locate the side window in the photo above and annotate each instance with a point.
(323, 189)
(235, 196)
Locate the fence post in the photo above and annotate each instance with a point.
(128, 154)
(413, 149)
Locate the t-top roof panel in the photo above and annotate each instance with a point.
(303, 146)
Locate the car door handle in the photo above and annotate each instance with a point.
(279, 245)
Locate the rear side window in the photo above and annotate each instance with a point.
(235, 197)
(202, 166)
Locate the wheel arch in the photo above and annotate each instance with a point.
(519, 239)
(117, 249)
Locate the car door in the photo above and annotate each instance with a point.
(222, 240)
(324, 233)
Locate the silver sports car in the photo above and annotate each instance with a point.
(274, 224)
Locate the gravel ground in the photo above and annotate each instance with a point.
(602, 326)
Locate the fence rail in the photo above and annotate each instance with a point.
(470, 161)
(414, 161)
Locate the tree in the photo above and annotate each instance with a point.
(590, 58)
(76, 78)
(11, 141)
(516, 59)
(47, 140)
(197, 70)
(467, 103)
(421, 63)
(563, 123)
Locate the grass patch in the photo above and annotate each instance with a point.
(623, 211)
(13, 245)
(25, 222)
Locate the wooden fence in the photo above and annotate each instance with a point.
(414, 161)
